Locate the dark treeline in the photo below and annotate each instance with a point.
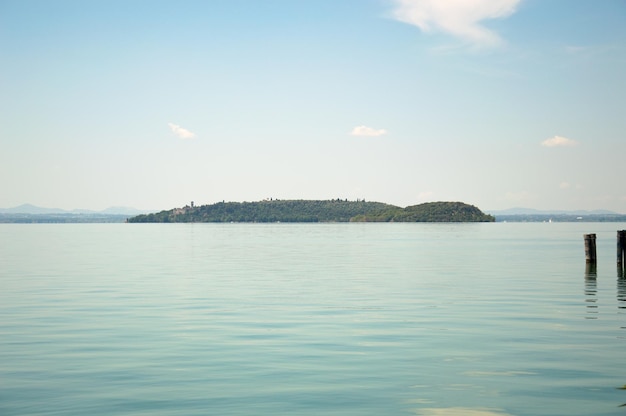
(336, 210)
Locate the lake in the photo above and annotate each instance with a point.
(489, 319)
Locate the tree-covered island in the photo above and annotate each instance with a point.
(335, 210)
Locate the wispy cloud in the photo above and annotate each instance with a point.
(181, 132)
(558, 141)
(573, 186)
(459, 18)
(576, 49)
(367, 131)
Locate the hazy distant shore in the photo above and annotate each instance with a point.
(61, 218)
(561, 218)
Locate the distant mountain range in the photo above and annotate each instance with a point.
(530, 211)
(536, 215)
(35, 210)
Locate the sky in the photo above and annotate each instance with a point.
(153, 104)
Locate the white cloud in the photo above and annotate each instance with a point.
(367, 131)
(181, 132)
(459, 18)
(565, 185)
(558, 141)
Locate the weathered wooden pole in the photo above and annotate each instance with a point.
(621, 247)
(590, 248)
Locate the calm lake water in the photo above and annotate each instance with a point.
(310, 319)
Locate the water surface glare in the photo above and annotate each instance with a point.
(309, 319)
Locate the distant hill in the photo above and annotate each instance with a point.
(31, 209)
(35, 210)
(530, 211)
(61, 218)
(535, 215)
(28, 213)
(336, 210)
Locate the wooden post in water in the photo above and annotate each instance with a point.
(590, 248)
(621, 247)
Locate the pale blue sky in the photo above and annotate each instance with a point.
(153, 104)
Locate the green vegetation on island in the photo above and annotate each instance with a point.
(429, 212)
(335, 210)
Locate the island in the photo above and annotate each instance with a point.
(334, 210)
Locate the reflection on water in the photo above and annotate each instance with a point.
(455, 411)
(621, 292)
(591, 271)
(591, 290)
